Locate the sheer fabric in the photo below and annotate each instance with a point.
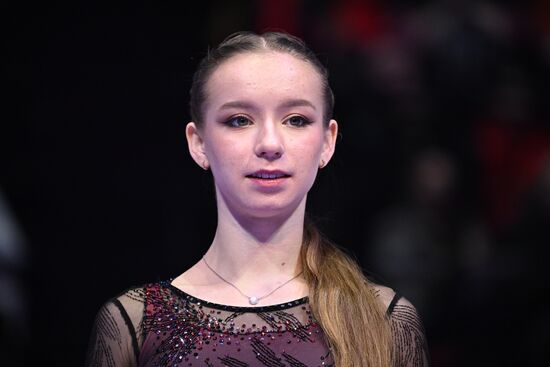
(160, 325)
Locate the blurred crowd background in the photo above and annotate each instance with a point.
(440, 185)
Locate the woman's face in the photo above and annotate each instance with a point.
(263, 135)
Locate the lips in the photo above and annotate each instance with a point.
(268, 181)
(268, 175)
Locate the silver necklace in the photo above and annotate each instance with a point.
(253, 300)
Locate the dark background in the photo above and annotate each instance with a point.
(440, 185)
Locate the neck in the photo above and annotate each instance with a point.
(244, 247)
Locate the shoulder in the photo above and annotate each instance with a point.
(115, 336)
(138, 294)
(130, 303)
(134, 300)
(388, 297)
(394, 303)
(406, 327)
(124, 309)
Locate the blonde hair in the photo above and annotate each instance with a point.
(344, 303)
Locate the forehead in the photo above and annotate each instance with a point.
(261, 74)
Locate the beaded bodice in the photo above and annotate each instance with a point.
(160, 325)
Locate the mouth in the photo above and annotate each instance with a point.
(268, 175)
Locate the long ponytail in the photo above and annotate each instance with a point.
(344, 303)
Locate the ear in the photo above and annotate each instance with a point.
(195, 144)
(331, 133)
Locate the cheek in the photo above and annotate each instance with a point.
(216, 146)
(310, 149)
(225, 155)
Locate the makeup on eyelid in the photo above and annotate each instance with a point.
(243, 121)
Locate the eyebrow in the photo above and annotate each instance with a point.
(298, 103)
(285, 104)
(237, 104)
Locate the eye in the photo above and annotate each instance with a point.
(298, 121)
(238, 121)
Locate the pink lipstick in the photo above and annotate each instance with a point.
(268, 178)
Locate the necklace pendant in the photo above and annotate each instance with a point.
(253, 300)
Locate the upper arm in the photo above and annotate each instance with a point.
(410, 345)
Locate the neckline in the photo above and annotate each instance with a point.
(251, 309)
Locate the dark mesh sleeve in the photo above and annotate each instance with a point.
(411, 349)
(113, 340)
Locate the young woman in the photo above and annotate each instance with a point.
(270, 290)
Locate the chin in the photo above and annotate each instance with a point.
(273, 210)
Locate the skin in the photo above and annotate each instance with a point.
(263, 114)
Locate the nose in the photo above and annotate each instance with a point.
(269, 143)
